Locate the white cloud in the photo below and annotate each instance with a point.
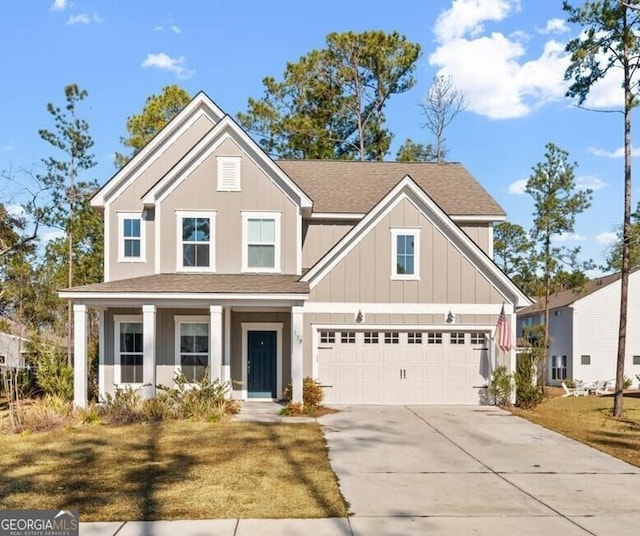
(166, 62)
(517, 187)
(616, 153)
(175, 29)
(58, 5)
(590, 182)
(568, 237)
(607, 238)
(554, 26)
(172, 28)
(82, 18)
(490, 69)
(158, 28)
(16, 210)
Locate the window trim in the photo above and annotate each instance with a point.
(121, 238)
(395, 232)
(189, 319)
(117, 364)
(276, 216)
(180, 215)
(237, 160)
(585, 357)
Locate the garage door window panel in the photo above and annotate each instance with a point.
(348, 337)
(414, 337)
(327, 337)
(457, 337)
(391, 337)
(371, 337)
(434, 337)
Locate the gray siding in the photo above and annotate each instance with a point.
(319, 237)
(480, 233)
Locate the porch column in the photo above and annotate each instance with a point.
(80, 315)
(149, 351)
(102, 385)
(297, 326)
(514, 346)
(226, 362)
(215, 342)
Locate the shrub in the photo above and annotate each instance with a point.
(42, 414)
(528, 394)
(501, 386)
(626, 384)
(53, 374)
(90, 415)
(124, 405)
(312, 397)
(159, 408)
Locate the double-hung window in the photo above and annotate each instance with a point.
(129, 347)
(261, 242)
(192, 341)
(131, 247)
(196, 247)
(405, 253)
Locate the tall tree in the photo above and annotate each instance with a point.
(609, 41)
(557, 203)
(441, 104)
(157, 112)
(411, 151)
(614, 253)
(70, 137)
(514, 252)
(330, 104)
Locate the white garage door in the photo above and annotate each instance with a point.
(402, 367)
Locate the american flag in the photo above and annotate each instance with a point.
(503, 332)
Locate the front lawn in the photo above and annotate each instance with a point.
(172, 470)
(588, 420)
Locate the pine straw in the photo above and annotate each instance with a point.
(588, 420)
(172, 470)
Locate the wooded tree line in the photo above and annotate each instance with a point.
(329, 104)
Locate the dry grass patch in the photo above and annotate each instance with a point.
(588, 420)
(172, 470)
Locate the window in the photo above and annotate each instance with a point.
(130, 237)
(129, 346)
(434, 337)
(229, 173)
(391, 337)
(457, 337)
(192, 355)
(559, 367)
(636, 359)
(585, 360)
(477, 338)
(195, 237)
(327, 337)
(405, 254)
(414, 337)
(348, 337)
(261, 236)
(371, 337)
(3, 360)
(556, 313)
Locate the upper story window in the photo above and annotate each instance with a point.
(405, 253)
(229, 173)
(196, 246)
(131, 245)
(261, 242)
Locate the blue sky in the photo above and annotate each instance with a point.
(507, 55)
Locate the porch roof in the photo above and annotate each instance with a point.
(197, 284)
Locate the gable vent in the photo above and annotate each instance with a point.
(228, 173)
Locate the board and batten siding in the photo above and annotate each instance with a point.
(364, 275)
(595, 332)
(198, 191)
(481, 234)
(319, 237)
(130, 200)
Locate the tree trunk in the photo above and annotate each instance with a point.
(547, 294)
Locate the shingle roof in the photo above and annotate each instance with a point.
(203, 283)
(353, 186)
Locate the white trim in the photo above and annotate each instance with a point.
(470, 218)
(117, 373)
(200, 106)
(407, 308)
(409, 190)
(106, 261)
(444, 328)
(276, 217)
(158, 240)
(226, 362)
(149, 330)
(102, 330)
(395, 232)
(178, 320)
(297, 354)
(121, 238)
(490, 248)
(299, 241)
(337, 216)
(80, 322)
(236, 161)
(215, 343)
(261, 326)
(204, 214)
(174, 297)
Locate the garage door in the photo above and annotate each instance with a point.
(403, 367)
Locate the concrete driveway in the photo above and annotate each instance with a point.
(474, 470)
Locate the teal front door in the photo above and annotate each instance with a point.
(261, 364)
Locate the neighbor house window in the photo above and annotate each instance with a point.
(391, 337)
(457, 337)
(195, 241)
(371, 337)
(192, 352)
(3, 359)
(559, 367)
(405, 254)
(130, 237)
(585, 360)
(261, 242)
(348, 337)
(434, 337)
(327, 337)
(636, 359)
(229, 173)
(414, 337)
(128, 349)
(477, 338)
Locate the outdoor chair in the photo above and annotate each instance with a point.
(578, 390)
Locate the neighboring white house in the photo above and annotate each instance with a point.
(583, 329)
(12, 350)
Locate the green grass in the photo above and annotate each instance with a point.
(588, 420)
(172, 470)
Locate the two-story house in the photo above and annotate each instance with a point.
(374, 278)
